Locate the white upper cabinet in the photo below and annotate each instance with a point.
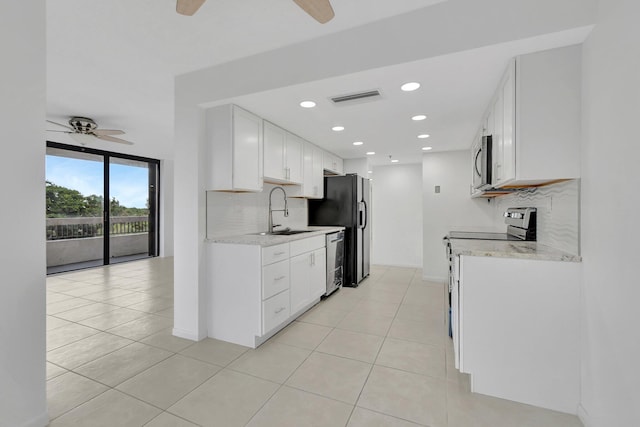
(282, 155)
(234, 141)
(313, 175)
(333, 164)
(534, 119)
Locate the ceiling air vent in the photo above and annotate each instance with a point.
(356, 98)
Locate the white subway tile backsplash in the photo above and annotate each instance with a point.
(243, 213)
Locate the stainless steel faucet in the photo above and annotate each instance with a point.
(271, 210)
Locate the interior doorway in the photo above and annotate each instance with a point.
(101, 207)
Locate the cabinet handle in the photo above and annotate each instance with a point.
(279, 278)
(280, 310)
(279, 253)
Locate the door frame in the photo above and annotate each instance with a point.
(154, 208)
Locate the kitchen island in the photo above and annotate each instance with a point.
(259, 283)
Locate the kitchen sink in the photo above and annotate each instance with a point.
(289, 232)
(285, 232)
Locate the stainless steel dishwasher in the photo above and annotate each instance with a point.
(335, 258)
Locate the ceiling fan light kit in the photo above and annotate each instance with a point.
(320, 10)
(84, 130)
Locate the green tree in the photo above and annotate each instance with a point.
(63, 202)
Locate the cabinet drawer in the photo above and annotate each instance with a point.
(306, 245)
(275, 278)
(275, 253)
(275, 310)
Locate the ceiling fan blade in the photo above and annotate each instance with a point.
(101, 132)
(188, 7)
(113, 139)
(320, 10)
(61, 131)
(60, 124)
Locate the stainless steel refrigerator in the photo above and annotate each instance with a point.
(346, 203)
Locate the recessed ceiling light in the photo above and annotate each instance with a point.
(395, 161)
(369, 171)
(424, 135)
(419, 117)
(337, 128)
(427, 148)
(408, 87)
(370, 153)
(358, 143)
(307, 104)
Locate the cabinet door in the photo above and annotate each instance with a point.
(508, 124)
(247, 156)
(317, 188)
(293, 159)
(301, 273)
(503, 129)
(234, 150)
(313, 173)
(274, 148)
(318, 277)
(330, 162)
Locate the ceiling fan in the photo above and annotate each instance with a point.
(83, 130)
(320, 10)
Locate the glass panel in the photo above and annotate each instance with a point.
(74, 210)
(129, 210)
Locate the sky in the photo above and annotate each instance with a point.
(129, 184)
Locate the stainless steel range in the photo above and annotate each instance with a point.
(521, 224)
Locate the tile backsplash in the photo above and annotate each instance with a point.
(558, 213)
(243, 213)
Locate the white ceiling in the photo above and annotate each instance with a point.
(115, 61)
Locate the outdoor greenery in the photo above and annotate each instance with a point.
(63, 202)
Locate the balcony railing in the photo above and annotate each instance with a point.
(85, 227)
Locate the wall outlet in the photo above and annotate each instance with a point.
(437, 189)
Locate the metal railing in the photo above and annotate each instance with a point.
(81, 228)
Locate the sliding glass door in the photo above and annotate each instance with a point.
(101, 207)
(74, 209)
(132, 209)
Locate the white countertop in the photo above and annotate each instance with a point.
(273, 239)
(510, 249)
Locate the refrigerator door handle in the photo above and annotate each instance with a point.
(366, 214)
(361, 207)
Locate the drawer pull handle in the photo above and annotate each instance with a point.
(279, 253)
(280, 310)
(279, 278)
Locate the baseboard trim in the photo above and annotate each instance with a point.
(188, 335)
(584, 416)
(41, 420)
(434, 279)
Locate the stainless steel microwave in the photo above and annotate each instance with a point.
(482, 164)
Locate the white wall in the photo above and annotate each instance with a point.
(451, 209)
(396, 211)
(22, 251)
(610, 202)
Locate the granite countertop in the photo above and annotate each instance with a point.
(274, 239)
(510, 249)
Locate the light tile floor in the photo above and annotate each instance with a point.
(376, 355)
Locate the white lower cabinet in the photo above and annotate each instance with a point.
(307, 272)
(516, 329)
(255, 291)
